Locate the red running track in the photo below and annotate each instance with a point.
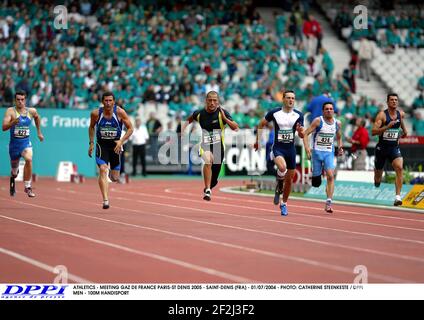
(160, 231)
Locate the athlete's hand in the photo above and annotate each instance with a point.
(340, 152)
(90, 150)
(308, 153)
(41, 137)
(404, 134)
(256, 146)
(14, 122)
(300, 130)
(118, 147)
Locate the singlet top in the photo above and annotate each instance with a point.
(390, 137)
(20, 132)
(108, 130)
(324, 135)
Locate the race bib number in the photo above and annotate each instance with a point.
(211, 138)
(325, 140)
(108, 133)
(21, 132)
(285, 136)
(391, 135)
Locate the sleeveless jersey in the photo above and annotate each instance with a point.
(324, 136)
(284, 126)
(390, 137)
(108, 130)
(19, 133)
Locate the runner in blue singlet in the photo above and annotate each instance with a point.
(18, 120)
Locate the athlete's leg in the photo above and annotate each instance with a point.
(14, 164)
(329, 189)
(27, 155)
(288, 180)
(379, 162)
(398, 166)
(103, 183)
(207, 157)
(280, 176)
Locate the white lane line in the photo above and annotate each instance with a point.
(360, 249)
(41, 265)
(177, 262)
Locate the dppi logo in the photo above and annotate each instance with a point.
(34, 291)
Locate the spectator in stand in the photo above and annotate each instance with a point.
(365, 55)
(418, 123)
(359, 141)
(315, 106)
(313, 35)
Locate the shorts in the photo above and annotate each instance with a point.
(106, 155)
(320, 160)
(385, 153)
(289, 156)
(16, 149)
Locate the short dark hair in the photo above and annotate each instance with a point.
(20, 93)
(325, 103)
(212, 92)
(108, 94)
(392, 95)
(288, 91)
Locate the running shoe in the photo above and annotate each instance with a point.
(106, 204)
(328, 207)
(29, 192)
(397, 202)
(12, 187)
(283, 208)
(207, 194)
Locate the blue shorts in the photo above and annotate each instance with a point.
(16, 149)
(289, 156)
(322, 159)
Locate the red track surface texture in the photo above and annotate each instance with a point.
(159, 231)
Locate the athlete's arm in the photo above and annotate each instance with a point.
(126, 120)
(261, 125)
(232, 124)
(339, 139)
(402, 125)
(186, 123)
(315, 123)
(93, 119)
(9, 120)
(376, 130)
(37, 121)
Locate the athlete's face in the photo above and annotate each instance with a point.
(289, 99)
(20, 101)
(108, 102)
(392, 102)
(328, 111)
(212, 102)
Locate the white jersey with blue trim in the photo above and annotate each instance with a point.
(324, 135)
(284, 126)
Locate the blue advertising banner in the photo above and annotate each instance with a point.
(65, 139)
(359, 192)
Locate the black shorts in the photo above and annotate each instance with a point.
(385, 153)
(106, 155)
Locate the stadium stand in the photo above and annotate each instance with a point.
(163, 56)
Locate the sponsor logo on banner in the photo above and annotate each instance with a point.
(34, 291)
(415, 198)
